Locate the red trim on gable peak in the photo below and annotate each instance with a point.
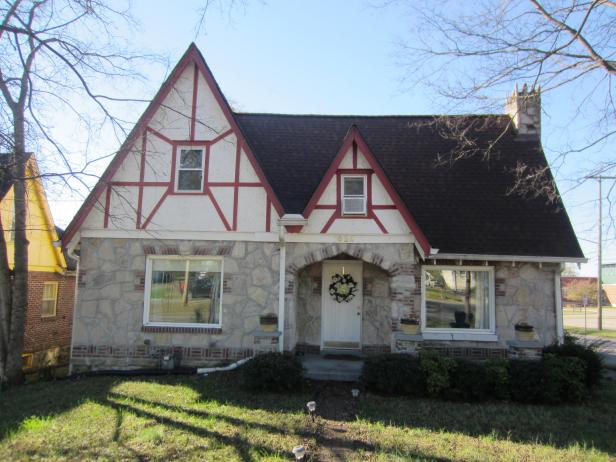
(192, 56)
(354, 140)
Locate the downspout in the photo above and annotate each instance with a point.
(71, 253)
(560, 334)
(281, 284)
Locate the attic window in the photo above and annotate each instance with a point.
(189, 174)
(354, 195)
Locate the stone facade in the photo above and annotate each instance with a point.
(109, 331)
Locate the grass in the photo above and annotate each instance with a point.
(595, 332)
(193, 418)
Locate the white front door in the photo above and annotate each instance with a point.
(341, 319)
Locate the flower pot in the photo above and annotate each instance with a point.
(268, 324)
(410, 329)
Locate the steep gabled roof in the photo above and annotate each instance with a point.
(6, 176)
(462, 208)
(191, 56)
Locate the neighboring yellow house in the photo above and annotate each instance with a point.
(41, 231)
(51, 283)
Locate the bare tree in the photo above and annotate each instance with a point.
(58, 58)
(471, 52)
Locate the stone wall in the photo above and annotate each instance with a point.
(109, 330)
(524, 293)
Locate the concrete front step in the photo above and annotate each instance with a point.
(339, 370)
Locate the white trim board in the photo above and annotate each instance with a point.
(520, 258)
(244, 236)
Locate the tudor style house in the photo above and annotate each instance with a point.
(214, 235)
(51, 274)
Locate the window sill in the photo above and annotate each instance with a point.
(473, 336)
(181, 329)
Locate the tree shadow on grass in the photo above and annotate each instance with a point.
(329, 446)
(46, 399)
(589, 424)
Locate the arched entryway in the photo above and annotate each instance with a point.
(317, 320)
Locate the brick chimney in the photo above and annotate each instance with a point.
(524, 108)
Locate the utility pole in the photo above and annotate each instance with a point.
(599, 254)
(600, 250)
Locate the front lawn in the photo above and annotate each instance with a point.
(193, 418)
(610, 334)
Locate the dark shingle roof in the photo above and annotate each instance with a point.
(464, 207)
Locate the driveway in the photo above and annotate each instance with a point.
(606, 348)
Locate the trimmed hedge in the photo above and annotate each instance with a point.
(592, 361)
(394, 374)
(566, 373)
(272, 372)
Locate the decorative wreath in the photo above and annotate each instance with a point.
(342, 288)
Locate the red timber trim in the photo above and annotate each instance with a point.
(107, 204)
(268, 215)
(238, 153)
(354, 155)
(354, 141)
(193, 112)
(293, 228)
(192, 55)
(141, 179)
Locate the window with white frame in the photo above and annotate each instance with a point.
(50, 299)
(183, 291)
(354, 195)
(189, 170)
(458, 298)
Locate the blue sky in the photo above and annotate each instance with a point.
(332, 57)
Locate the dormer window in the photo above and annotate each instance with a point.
(189, 174)
(354, 196)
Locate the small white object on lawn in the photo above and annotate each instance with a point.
(355, 392)
(299, 452)
(312, 406)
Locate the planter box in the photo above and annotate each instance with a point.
(409, 329)
(525, 335)
(268, 324)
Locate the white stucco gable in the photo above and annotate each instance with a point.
(185, 168)
(326, 214)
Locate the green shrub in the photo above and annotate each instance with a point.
(526, 381)
(436, 370)
(564, 378)
(553, 380)
(468, 381)
(497, 378)
(273, 372)
(393, 374)
(593, 363)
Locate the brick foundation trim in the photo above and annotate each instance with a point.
(469, 352)
(152, 352)
(307, 349)
(181, 330)
(370, 350)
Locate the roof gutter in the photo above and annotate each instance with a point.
(519, 258)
